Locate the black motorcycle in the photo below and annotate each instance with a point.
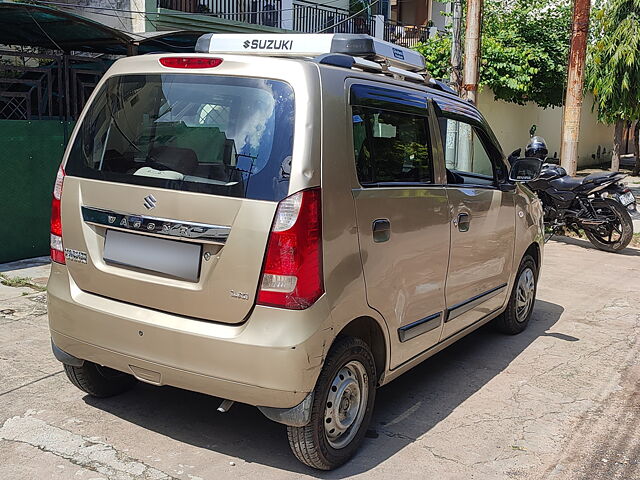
(597, 204)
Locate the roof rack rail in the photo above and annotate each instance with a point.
(442, 86)
(347, 61)
(336, 60)
(358, 46)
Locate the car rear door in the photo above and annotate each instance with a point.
(482, 223)
(402, 214)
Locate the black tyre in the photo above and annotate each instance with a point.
(99, 381)
(523, 296)
(616, 235)
(342, 407)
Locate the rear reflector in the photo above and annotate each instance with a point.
(57, 251)
(190, 62)
(292, 271)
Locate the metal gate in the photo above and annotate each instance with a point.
(46, 85)
(41, 96)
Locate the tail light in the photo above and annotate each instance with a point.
(57, 252)
(190, 62)
(292, 271)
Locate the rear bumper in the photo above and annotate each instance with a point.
(273, 359)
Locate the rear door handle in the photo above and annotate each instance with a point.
(381, 230)
(463, 222)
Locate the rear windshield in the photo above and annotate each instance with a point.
(226, 136)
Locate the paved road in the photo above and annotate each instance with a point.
(559, 401)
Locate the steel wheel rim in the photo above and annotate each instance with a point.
(525, 294)
(346, 404)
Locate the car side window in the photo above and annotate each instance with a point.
(391, 147)
(466, 158)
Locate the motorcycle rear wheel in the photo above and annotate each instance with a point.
(620, 232)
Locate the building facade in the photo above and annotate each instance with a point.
(405, 23)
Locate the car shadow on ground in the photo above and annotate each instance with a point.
(581, 242)
(405, 409)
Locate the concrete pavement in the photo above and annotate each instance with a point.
(559, 401)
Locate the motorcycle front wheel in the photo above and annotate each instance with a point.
(614, 235)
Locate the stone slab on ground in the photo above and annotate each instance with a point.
(33, 273)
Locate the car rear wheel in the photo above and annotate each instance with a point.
(523, 296)
(99, 381)
(342, 407)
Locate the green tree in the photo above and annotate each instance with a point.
(525, 44)
(613, 73)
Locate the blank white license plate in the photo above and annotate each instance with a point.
(627, 198)
(168, 257)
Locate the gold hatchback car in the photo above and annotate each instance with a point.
(287, 221)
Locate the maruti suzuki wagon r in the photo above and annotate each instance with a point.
(287, 221)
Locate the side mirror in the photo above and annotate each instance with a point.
(513, 156)
(525, 169)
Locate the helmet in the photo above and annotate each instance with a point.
(537, 148)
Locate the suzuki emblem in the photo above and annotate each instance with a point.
(150, 202)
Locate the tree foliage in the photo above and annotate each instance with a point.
(613, 73)
(525, 45)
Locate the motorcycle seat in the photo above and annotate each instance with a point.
(566, 183)
(595, 177)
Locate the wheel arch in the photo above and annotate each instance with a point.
(534, 251)
(369, 331)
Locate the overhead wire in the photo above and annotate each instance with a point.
(43, 30)
(119, 17)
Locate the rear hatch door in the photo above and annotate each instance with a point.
(172, 184)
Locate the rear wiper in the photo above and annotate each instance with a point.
(124, 135)
(115, 123)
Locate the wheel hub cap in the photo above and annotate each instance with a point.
(525, 294)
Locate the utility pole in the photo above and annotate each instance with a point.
(472, 49)
(456, 46)
(575, 85)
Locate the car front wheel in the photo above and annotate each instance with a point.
(523, 296)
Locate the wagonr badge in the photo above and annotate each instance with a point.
(165, 227)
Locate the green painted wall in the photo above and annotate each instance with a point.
(30, 153)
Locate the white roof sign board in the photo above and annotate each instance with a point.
(311, 45)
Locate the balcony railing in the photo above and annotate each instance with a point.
(303, 16)
(310, 17)
(256, 12)
(405, 35)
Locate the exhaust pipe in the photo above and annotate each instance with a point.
(225, 406)
(593, 222)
